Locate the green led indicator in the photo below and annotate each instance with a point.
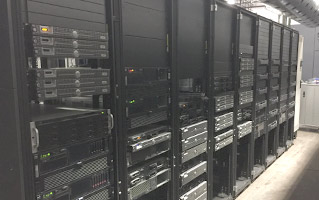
(132, 101)
(45, 155)
(48, 195)
(102, 113)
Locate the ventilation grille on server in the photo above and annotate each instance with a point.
(148, 119)
(103, 195)
(74, 174)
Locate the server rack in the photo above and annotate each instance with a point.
(283, 91)
(292, 86)
(68, 109)
(245, 102)
(224, 94)
(262, 93)
(144, 88)
(192, 130)
(273, 101)
(17, 173)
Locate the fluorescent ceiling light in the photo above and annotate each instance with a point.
(231, 1)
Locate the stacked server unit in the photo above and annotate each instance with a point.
(145, 88)
(69, 82)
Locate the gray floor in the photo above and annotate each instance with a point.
(293, 176)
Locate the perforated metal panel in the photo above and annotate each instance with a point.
(103, 195)
(263, 43)
(70, 175)
(148, 119)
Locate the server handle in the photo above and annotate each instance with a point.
(36, 132)
(112, 121)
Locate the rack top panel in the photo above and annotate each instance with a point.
(88, 15)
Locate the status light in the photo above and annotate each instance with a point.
(132, 101)
(48, 195)
(131, 70)
(45, 29)
(46, 155)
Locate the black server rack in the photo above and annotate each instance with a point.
(224, 94)
(292, 87)
(141, 31)
(262, 93)
(69, 79)
(16, 168)
(192, 135)
(273, 100)
(283, 91)
(244, 101)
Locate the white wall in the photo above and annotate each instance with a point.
(298, 89)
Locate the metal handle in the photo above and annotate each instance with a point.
(112, 121)
(36, 131)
